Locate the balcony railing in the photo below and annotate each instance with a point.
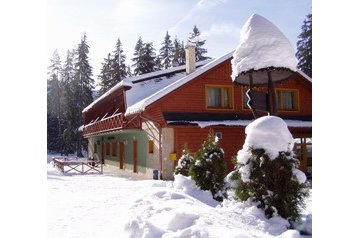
(112, 123)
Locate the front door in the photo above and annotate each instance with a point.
(135, 154)
(121, 154)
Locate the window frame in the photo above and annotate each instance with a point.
(221, 87)
(296, 99)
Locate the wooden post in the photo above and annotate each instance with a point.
(271, 95)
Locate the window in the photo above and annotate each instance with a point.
(150, 146)
(114, 148)
(95, 148)
(219, 97)
(107, 148)
(287, 100)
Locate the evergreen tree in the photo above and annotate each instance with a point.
(128, 71)
(139, 64)
(83, 86)
(199, 50)
(304, 47)
(166, 52)
(272, 184)
(267, 171)
(118, 66)
(149, 57)
(68, 104)
(106, 77)
(184, 163)
(158, 64)
(144, 58)
(178, 53)
(208, 169)
(54, 96)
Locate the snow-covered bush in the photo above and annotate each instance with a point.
(266, 170)
(208, 169)
(183, 163)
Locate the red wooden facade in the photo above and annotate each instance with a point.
(108, 114)
(192, 98)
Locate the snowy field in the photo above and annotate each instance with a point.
(112, 206)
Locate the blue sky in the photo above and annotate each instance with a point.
(219, 21)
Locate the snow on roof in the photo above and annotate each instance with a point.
(129, 82)
(262, 45)
(141, 97)
(203, 124)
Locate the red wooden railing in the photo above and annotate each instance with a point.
(114, 122)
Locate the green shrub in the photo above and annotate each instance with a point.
(276, 184)
(184, 163)
(208, 169)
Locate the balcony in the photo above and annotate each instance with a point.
(106, 124)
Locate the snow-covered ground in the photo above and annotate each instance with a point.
(113, 206)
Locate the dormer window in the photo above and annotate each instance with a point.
(219, 97)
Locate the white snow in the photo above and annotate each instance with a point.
(300, 176)
(270, 133)
(262, 45)
(109, 206)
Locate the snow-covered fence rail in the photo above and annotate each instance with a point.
(66, 165)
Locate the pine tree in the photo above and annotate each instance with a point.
(83, 86)
(304, 47)
(199, 51)
(184, 163)
(272, 184)
(208, 169)
(54, 96)
(139, 64)
(178, 53)
(106, 76)
(68, 104)
(166, 52)
(118, 66)
(149, 57)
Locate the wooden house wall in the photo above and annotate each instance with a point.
(191, 98)
(108, 105)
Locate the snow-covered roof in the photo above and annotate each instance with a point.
(129, 82)
(138, 98)
(262, 45)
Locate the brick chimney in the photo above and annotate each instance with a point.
(190, 57)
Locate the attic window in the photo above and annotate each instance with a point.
(219, 97)
(287, 99)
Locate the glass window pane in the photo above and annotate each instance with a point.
(288, 100)
(226, 103)
(214, 97)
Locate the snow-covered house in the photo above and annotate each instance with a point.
(143, 122)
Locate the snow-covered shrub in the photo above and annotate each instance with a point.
(183, 163)
(267, 172)
(208, 169)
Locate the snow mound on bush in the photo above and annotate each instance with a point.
(270, 133)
